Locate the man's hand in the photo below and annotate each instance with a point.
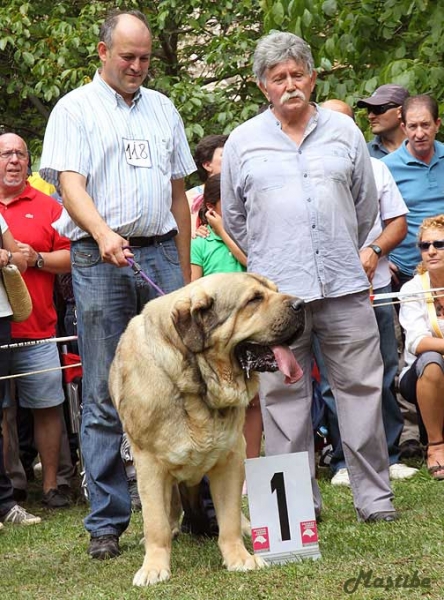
(369, 261)
(111, 246)
(28, 252)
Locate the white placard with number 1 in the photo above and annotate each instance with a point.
(283, 523)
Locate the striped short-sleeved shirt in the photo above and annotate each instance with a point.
(128, 154)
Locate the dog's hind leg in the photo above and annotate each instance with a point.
(155, 490)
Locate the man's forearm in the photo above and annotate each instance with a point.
(80, 205)
(182, 216)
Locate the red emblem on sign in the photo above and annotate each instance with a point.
(309, 533)
(261, 541)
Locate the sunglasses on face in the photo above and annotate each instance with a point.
(380, 110)
(437, 244)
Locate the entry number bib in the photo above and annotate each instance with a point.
(137, 153)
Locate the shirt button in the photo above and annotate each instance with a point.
(308, 199)
(313, 226)
(305, 175)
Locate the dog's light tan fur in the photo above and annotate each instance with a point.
(182, 395)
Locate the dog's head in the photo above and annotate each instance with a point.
(240, 321)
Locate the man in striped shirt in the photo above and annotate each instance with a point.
(118, 154)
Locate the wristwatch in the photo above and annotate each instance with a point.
(40, 262)
(376, 249)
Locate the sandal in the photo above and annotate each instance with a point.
(436, 471)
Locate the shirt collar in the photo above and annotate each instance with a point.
(312, 122)
(376, 142)
(410, 159)
(111, 93)
(28, 193)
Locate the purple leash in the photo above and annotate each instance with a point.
(138, 271)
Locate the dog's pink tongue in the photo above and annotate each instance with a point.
(287, 363)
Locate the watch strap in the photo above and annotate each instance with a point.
(376, 249)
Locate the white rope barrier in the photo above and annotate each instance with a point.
(61, 368)
(69, 338)
(394, 297)
(388, 295)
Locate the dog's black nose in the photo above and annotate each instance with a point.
(297, 304)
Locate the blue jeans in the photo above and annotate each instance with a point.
(391, 413)
(107, 297)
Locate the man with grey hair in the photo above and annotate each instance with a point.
(299, 197)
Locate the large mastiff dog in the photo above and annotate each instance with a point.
(183, 375)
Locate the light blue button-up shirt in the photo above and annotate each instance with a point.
(128, 154)
(301, 212)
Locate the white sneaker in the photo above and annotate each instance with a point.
(18, 516)
(1, 525)
(400, 471)
(341, 478)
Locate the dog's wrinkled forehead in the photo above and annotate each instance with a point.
(212, 300)
(237, 283)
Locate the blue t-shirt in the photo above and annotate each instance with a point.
(422, 187)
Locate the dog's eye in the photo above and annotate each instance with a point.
(258, 297)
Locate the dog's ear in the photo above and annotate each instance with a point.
(193, 318)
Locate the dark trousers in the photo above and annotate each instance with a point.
(6, 499)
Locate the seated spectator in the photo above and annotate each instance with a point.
(422, 318)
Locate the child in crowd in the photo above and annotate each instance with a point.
(217, 253)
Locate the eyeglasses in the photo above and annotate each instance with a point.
(381, 109)
(437, 244)
(7, 154)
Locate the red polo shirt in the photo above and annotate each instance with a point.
(29, 218)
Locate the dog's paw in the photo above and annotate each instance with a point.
(150, 576)
(245, 562)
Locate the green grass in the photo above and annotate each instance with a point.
(49, 561)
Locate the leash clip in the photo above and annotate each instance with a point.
(138, 271)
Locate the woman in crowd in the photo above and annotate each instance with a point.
(422, 318)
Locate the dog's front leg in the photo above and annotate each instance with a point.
(155, 487)
(226, 481)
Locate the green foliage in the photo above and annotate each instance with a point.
(202, 53)
(359, 46)
(201, 59)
